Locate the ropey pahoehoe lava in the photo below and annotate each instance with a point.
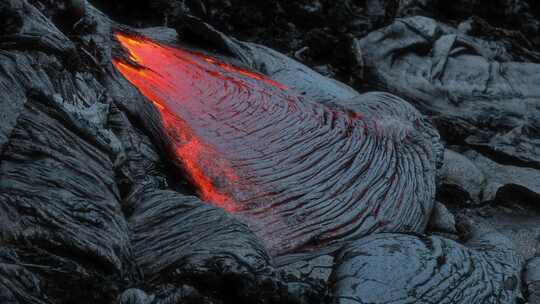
(299, 173)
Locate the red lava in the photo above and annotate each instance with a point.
(173, 79)
(299, 173)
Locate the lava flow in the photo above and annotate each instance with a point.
(184, 101)
(299, 173)
(201, 162)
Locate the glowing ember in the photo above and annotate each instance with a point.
(299, 173)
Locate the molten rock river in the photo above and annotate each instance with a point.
(300, 174)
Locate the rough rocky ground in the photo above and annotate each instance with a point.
(92, 211)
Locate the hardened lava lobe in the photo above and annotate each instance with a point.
(299, 173)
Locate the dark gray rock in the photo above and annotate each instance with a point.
(518, 223)
(406, 8)
(476, 96)
(506, 15)
(393, 268)
(442, 220)
(135, 296)
(315, 268)
(59, 201)
(278, 66)
(27, 37)
(74, 164)
(460, 181)
(531, 279)
(92, 210)
(181, 239)
(516, 42)
(184, 294)
(506, 182)
(18, 285)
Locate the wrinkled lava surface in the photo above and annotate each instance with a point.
(299, 173)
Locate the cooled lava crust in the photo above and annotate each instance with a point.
(300, 174)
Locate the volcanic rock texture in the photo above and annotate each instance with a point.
(237, 151)
(294, 170)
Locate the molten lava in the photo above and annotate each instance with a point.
(195, 93)
(299, 173)
(207, 169)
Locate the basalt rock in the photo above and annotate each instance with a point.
(442, 220)
(518, 223)
(17, 283)
(470, 177)
(532, 280)
(74, 221)
(74, 231)
(506, 182)
(393, 268)
(275, 65)
(190, 241)
(476, 95)
(99, 203)
(184, 294)
(460, 180)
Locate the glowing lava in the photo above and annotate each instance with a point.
(200, 161)
(299, 173)
(183, 101)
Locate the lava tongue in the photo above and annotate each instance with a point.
(297, 172)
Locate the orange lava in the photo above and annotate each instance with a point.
(174, 80)
(297, 172)
(204, 166)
